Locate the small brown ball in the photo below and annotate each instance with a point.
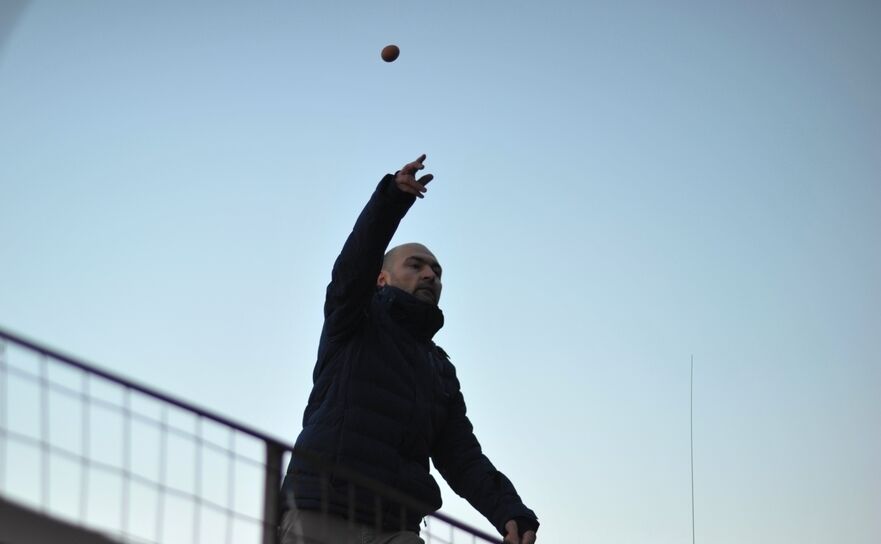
(390, 53)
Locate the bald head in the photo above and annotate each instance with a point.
(413, 268)
(404, 250)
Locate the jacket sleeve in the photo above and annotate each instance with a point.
(459, 458)
(353, 279)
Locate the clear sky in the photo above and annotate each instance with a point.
(618, 185)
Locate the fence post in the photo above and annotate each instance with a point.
(271, 490)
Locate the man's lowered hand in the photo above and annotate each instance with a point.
(513, 536)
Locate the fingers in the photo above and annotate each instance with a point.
(512, 537)
(412, 167)
(412, 187)
(406, 179)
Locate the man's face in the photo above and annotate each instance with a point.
(414, 269)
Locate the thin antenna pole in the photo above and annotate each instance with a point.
(691, 441)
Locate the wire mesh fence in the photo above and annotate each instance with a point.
(95, 450)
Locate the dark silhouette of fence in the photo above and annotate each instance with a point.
(85, 448)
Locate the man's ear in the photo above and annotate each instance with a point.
(383, 278)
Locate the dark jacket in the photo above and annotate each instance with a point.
(385, 398)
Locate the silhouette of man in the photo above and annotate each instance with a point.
(385, 397)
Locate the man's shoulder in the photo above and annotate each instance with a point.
(443, 353)
(445, 367)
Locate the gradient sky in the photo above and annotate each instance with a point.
(618, 186)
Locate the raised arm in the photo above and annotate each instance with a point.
(355, 271)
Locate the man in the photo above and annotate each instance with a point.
(385, 398)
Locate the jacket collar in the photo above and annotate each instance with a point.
(420, 318)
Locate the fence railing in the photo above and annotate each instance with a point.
(94, 449)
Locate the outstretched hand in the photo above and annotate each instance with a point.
(513, 536)
(406, 180)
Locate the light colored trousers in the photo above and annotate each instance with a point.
(311, 527)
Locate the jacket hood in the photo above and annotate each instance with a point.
(421, 318)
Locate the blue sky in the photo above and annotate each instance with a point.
(619, 185)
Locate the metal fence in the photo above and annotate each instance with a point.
(98, 451)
